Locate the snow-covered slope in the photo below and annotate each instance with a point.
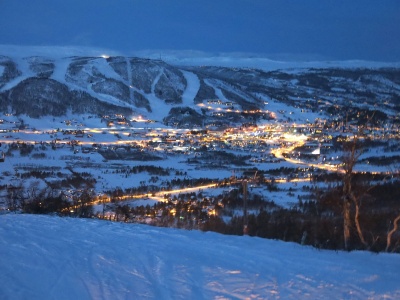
(44, 257)
(163, 90)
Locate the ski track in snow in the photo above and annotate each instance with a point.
(154, 83)
(130, 81)
(218, 91)
(23, 67)
(101, 64)
(160, 108)
(193, 86)
(104, 67)
(60, 70)
(49, 257)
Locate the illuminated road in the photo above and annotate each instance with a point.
(298, 143)
(159, 196)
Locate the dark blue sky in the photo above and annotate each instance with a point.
(352, 29)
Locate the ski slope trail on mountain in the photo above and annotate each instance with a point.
(193, 86)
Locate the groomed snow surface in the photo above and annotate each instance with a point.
(44, 257)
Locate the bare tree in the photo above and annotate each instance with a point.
(15, 197)
(349, 198)
(391, 232)
(82, 203)
(33, 190)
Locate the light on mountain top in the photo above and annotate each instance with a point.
(105, 56)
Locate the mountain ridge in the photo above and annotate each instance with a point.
(155, 88)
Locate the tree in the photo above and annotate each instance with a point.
(82, 204)
(391, 232)
(33, 190)
(350, 199)
(15, 197)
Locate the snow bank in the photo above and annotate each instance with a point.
(44, 257)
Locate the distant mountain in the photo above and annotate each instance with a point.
(185, 95)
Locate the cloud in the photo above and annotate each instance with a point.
(357, 29)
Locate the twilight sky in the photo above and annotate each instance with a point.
(309, 29)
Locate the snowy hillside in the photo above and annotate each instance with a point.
(56, 81)
(45, 257)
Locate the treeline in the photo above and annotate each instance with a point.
(48, 201)
(178, 213)
(152, 170)
(316, 220)
(24, 148)
(40, 174)
(319, 221)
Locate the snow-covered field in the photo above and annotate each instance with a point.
(43, 257)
